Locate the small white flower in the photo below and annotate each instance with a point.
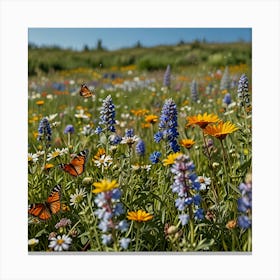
(51, 117)
(33, 157)
(129, 140)
(56, 153)
(104, 160)
(55, 124)
(81, 115)
(33, 241)
(77, 198)
(204, 182)
(60, 243)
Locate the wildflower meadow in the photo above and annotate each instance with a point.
(127, 158)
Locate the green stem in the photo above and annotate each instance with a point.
(137, 237)
(225, 168)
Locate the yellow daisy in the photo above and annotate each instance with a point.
(221, 130)
(202, 120)
(187, 143)
(40, 102)
(139, 216)
(104, 186)
(151, 118)
(171, 158)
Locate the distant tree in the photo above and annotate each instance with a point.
(138, 45)
(86, 48)
(181, 43)
(99, 45)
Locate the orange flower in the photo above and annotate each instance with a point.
(151, 119)
(187, 143)
(139, 216)
(221, 130)
(40, 102)
(231, 224)
(202, 120)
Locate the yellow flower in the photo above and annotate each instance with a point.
(231, 224)
(139, 216)
(99, 153)
(151, 119)
(171, 158)
(221, 130)
(48, 166)
(187, 143)
(40, 102)
(202, 120)
(104, 186)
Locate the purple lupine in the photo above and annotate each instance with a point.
(225, 81)
(194, 91)
(167, 77)
(243, 92)
(44, 131)
(168, 125)
(107, 116)
(244, 205)
(187, 187)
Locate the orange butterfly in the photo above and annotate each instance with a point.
(85, 92)
(44, 211)
(77, 165)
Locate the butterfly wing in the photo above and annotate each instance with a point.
(77, 165)
(84, 91)
(44, 211)
(40, 211)
(53, 201)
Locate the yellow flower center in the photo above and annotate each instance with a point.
(60, 241)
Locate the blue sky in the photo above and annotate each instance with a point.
(115, 38)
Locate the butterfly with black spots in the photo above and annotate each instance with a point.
(51, 206)
(77, 165)
(85, 92)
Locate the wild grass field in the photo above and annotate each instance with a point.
(159, 158)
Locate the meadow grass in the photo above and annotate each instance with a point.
(207, 220)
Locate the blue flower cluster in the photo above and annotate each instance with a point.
(107, 116)
(69, 129)
(140, 148)
(243, 91)
(227, 99)
(168, 125)
(167, 76)
(245, 205)
(225, 80)
(44, 130)
(109, 210)
(154, 157)
(194, 91)
(187, 188)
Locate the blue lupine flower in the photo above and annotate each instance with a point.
(129, 132)
(243, 92)
(168, 125)
(244, 222)
(44, 130)
(107, 115)
(184, 218)
(227, 99)
(140, 148)
(194, 91)
(124, 242)
(109, 210)
(123, 226)
(184, 181)
(98, 130)
(154, 157)
(69, 129)
(167, 76)
(106, 239)
(115, 139)
(225, 81)
(158, 136)
(199, 214)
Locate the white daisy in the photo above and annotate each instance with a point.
(60, 243)
(129, 140)
(33, 157)
(77, 198)
(204, 182)
(104, 160)
(33, 241)
(56, 153)
(81, 115)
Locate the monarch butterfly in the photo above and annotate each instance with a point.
(85, 92)
(44, 211)
(77, 165)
